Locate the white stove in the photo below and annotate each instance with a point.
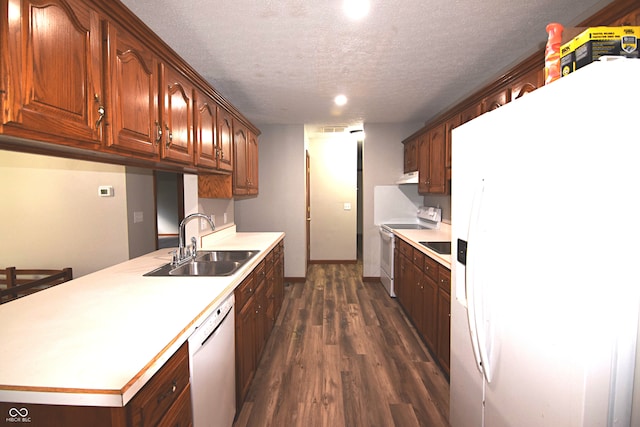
(426, 218)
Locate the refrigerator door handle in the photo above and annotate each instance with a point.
(475, 287)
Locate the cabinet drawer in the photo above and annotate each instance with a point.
(404, 248)
(180, 413)
(151, 403)
(418, 257)
(431, 268)
(444, 279)
(244, 291)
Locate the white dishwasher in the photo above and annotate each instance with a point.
(212, 367)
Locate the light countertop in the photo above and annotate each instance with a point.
(414, 237)
(98, 339)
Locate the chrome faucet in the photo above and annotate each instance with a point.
(183, 253)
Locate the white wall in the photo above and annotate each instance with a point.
(333, 178)
(52, 216)
(141, 223)
(382, 164)
(280, 205)
(167, 202)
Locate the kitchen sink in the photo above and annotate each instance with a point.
(207, 263)
(237, 256)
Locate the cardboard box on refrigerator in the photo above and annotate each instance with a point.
(595, 42)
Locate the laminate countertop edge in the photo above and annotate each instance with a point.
(414, 237)
(98, 339)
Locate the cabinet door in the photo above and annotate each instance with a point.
(49, 89)
(411, 155)
(132, 110)
(252, 167)
(432, 161)
(430, 307)
(527, 83)
(444, 318)
(205, 131)
(177, 115)
(470, 113)
(260, 307)
(416, 310)
(450, 125)
(225, 140)
(245, 349)
(159, 395)
(423, 164)
(437, 172)
(496, 100)
(240, 172)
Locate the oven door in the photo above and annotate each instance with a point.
(387, 245)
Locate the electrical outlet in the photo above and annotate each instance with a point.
(224, 217)
(203, 224)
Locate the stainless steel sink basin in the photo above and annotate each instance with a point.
(207, 263)
(225, 255)
(206, 268)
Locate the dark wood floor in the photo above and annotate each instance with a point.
(343, 354)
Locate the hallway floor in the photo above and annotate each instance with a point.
(342, 353)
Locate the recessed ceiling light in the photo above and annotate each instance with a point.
(340, 100)
(356, 9)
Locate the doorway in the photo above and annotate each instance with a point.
(169, 195)
(333, 202)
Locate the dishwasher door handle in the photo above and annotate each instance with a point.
(216, 328)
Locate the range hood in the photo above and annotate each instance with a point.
(408, 178)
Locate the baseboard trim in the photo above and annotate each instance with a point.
(295, 279)
(370, 279)
(335, 261)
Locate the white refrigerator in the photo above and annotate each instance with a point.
(545, 296)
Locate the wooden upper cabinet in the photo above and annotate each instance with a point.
(177, 117)
(52, 90)
(253, 163)
(496, 100)
(245, 154)
(630, 19)
(132, 116)
(527, 83)
(411, 155)
(205, 131)
(224, 140)
(432, 161)
(240, 173)
(450, 125)
(470, 113)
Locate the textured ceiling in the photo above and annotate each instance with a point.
(283, 62)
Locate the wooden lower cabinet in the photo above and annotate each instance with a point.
(423, 289)
(164, 401)
(258, 301)
(245, 345)
(161, 397)
(444, 319)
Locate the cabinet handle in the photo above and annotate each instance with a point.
(101, 110)
(158, 133)
(174, 387)
(169, 135)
